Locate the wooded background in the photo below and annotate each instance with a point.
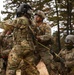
(59, 12)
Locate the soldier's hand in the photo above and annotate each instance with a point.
(68, 64)
(38, 38)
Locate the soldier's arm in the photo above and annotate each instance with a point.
(47, 34)
(69, 63)
(58, 57)
(5, 26)
(2, 25)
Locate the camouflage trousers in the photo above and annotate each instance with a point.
(70, 71)
(46, 57)
(59, 69)
(17, 54)
(2, 70)
(56, 68)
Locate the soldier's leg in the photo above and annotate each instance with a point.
(57, 68)
(31, 69)
(31, 62)
(46, 58)
(27, 68)
(2, 70)
(13, 61)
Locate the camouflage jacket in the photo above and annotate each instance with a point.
(68, 56)
(5, 37)
(22, 32)
(43, 31)
(7, 44)
(4, 25)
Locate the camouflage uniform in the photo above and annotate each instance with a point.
(4, 53)
(44, 32)
(68, 56)
(23, 48)
(6, 45)
(6, 38)
(43, 36)
(4, 26)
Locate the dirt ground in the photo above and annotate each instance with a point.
(42, 69)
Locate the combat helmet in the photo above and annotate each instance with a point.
(40, 13)
(69, 38)
(23, 9)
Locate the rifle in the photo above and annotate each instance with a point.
(51, 51)
(64, 70)
(44, 43)
(57, 57)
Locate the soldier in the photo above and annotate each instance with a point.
(6, 39)
(23, 49)
(6, 44)
(43, 35)
(68, 55)
(66, 62)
